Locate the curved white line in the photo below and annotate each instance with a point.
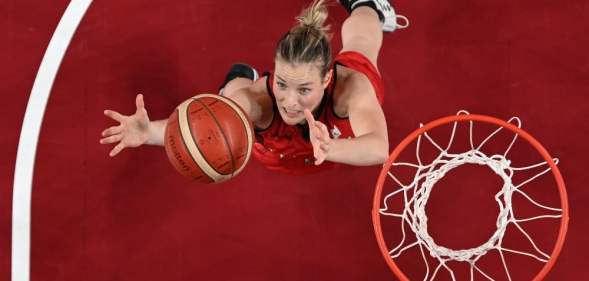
(29, 135)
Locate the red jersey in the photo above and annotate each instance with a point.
(286, 148)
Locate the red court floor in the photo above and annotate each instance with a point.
(133, 218)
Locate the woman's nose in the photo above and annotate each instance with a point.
(290, 98)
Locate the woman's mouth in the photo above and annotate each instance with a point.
(291, 113)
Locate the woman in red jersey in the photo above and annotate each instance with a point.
(313, 111)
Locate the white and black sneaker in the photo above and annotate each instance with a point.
(383, 8)
(239, 70)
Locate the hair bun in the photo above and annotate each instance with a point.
(314, 17)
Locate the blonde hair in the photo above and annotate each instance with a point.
(308, 41)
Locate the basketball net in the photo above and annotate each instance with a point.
(415, 195)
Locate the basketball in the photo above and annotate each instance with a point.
(208, 138)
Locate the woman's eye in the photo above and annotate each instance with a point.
(281, 85)
(304, 91)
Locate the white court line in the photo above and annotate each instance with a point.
(29, 136)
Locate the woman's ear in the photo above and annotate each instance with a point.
(327, 78)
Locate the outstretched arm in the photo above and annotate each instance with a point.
(136, 130)
(369, 147)
(133, 130)
(156, 132)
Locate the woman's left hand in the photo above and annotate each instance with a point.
(319, 136)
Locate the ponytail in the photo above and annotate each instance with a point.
(308, 41)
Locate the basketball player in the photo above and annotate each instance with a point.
(312, 112)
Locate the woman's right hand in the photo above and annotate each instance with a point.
(132, 131)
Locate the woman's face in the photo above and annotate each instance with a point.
(297, 87)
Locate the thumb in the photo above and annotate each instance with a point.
(139, 102)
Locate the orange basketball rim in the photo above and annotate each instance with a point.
(378, 212)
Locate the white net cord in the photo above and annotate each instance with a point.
(415, 196)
